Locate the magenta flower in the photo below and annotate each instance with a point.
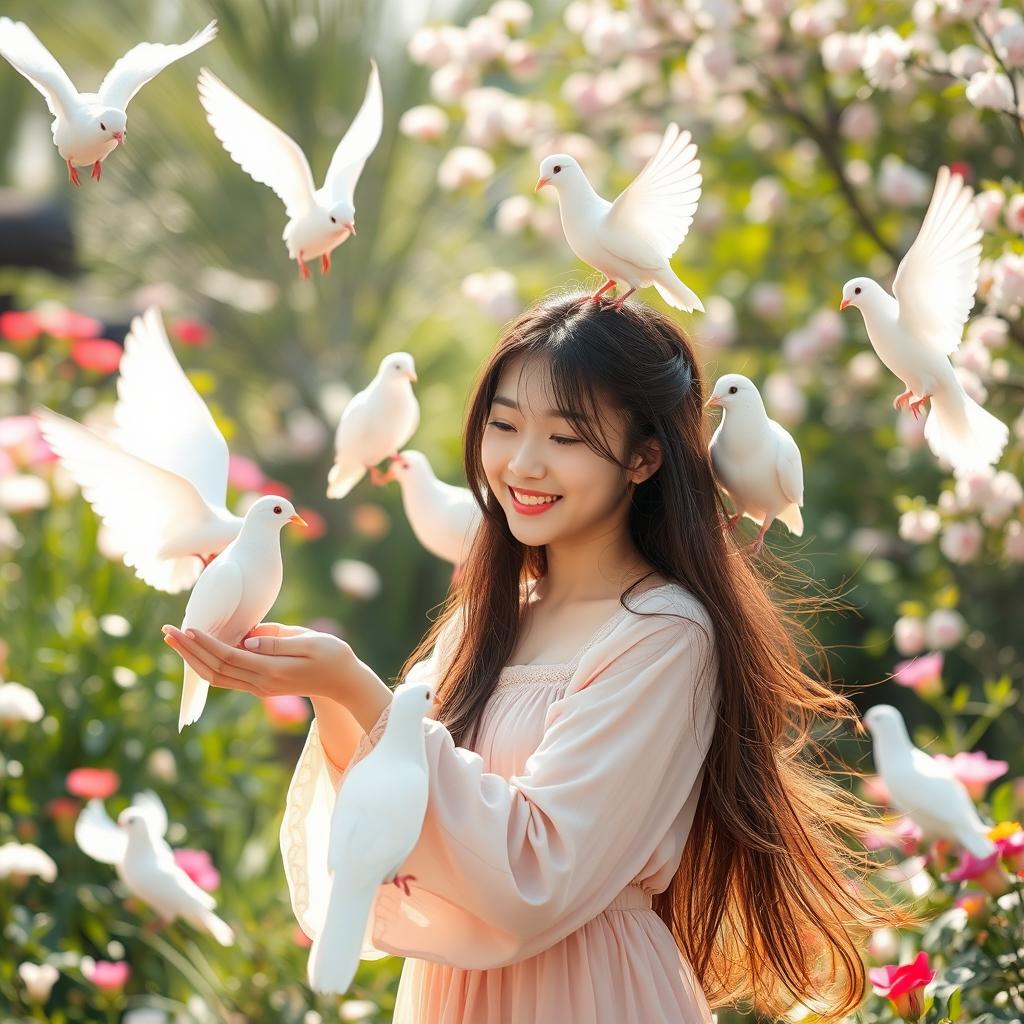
(974, 769)
(65, 323)
(87, 783)
(287, 709)
(198, 866)
(904, 985)
(17, 326)
(922, 675)
(109, 974)
(1009, 839)
(191, 332)
(983, 870)
(99, 354)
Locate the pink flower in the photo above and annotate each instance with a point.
(902, 833)
(98, 354)
(974, 770)
(244, 474)
(904, 985)
(922, 675)
(191, 332)
(18, 326)
(87, 783)
(1009, 839)
(316, 525)
(974, 904)
(286, 709)
(275, 487)
(875, 789)
(983, 870)
(198, 866)
(109, 974)
(64, 323)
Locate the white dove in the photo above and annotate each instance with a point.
(137, 849)
(757, 462)
(443, 517)
(160, 484)
(376, 823)
(319, 219)
(915, 332)
(236, 590)
(87, 126)
(921, 787)
(375, 424)
(632, 240)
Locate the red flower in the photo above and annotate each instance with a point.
(65, 323)
(93, 782)
(191, 332)
(18, 326)
(198, 866)
(316, 525)
(275, 487)
(904, 985)
(63, 807)
(98, 354)
(963, 169)
(108, 974)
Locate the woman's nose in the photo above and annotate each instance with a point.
(525, 462)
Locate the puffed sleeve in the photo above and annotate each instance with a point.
(505, 868)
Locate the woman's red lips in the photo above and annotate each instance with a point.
(532, 510)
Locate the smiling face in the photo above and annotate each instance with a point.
(552, 486)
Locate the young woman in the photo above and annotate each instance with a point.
(623, 821)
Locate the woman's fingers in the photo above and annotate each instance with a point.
(277, 629)
(216, 661)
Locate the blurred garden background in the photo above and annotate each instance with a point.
(820, 127)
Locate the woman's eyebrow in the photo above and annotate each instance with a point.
(561, 414)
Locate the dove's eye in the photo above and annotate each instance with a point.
(856, 291)
(733, 390)
(557, 168)
(426, 696)
(277, 510)
(334, 220)
(103, 127)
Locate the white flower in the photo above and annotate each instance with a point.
(800, 346)
(1007, 293)
(859, 122)
(944, 629)
(144, 1015)
(767, 200)
(817, 20)
(709, 15)
(989, 204)
(513, 215)
(973, 356)
(908, 635)
(842, 52)
(355, 578)
(162, 765)
(10, 368)
(767, 300)
(494, 291)
(1013, 541)
(784, 399)
(485, 39)
(864, 369)
(521, 60)
(828, 328)
(1004, 497)
(450, 82)
(26, 859)
(961, 542)
(609, 34)
(910, 431)
(463, 166)
(991, 331)
(523, 121)
(712, 58)
(901, 185)
(581, 92)
(24, 492)
(19, 704)
(967, 60)
(430, 46)
(920, 525)
(512, 14)
(718, 326)
(38, 980)
(639, 148)
(989, 90)
(1009, 44)
(425, 122)
(966, 9)
(885, 55)
(1015, 213)
(356, 1009)
(483, 108)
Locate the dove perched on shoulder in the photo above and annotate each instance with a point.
(757, 462)
(375, 825)
(137, 849)
(915, 332)
(923, 788)
(319, 219)
(375, 424)
(236, 590)
(632, 240)
(88, 126)
(443, 517)
(160, 483)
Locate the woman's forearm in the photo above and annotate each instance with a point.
(342, 725)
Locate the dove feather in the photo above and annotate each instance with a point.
(98, 836)
(30, 58)
(358, 143)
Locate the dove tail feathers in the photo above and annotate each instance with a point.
(335, 953)
(962, 432)
(341, 479)
(193, 698)
(978, 844)
(674, 292)
(793, 518)
(217, 927)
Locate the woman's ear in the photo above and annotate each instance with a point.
(646, 461)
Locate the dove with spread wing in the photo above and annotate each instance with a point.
(632, 240)
(160, 483)
(88, 126)
(319, 219)
(917, 328)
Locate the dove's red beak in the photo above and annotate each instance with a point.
(843, 304)
(541, 182)
(713, 402)
(120, 137)
(298, 520)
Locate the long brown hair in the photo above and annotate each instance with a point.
(769, 903)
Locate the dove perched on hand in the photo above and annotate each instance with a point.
(375, 424)
(375, 825)
(236, 590)
(923, 788)
(915, 332)
(319, 219)
(160, 484)
(757, 462)
(444, 518)
(631, 240)
(137, 849)
(87, 126)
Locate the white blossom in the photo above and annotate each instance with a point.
(1013, 541)
(842, 52)
(817, 20)
(920, 525)
(495, 292)
(784, 399)
(1007, 293)
(463, 166)
(909, 635)
(356, 579)
(522, 60)
(1009, 44)
(609, 34)
(944, 629)
(961, 542)
(767, 300)
(989, 205)
(19, 704)
(718, 326)
(513, 215)
(768, 200)
(990, 90)
(425, 122)
(38, 980)
(514, 15)
(1015, 214)
(450, 82)
(23, 492)
(26, 859)
(885, 55)
(486, 39)
(900, 184)
(859, 122)
(991, 331)
(967, 60)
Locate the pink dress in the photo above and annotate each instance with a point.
(541, 847)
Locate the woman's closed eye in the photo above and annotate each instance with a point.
(557, 438)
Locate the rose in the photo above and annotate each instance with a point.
(904, 985)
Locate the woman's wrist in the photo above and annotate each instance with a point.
(366, 696)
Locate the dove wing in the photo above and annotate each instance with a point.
(98, 836)
(215, 597)
(650, 219)
(258, 146)
(146, 61)
(358, 143)
(788, 465)
(141, 504)
(937, 279)
(153, 809)
(162, 418)
(27, 55)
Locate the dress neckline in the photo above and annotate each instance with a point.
(554, 671)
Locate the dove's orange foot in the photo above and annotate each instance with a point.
(379, 477)
(915, 407)
(73, 174)
(205, 559)
(600, 291)
(617, 304)
(96, 171)
(731, 521)
(402, 881)
(303, 269)
(900, 401)
(325, 263)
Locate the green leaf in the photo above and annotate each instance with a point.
(953, 1004)
(1002, 802)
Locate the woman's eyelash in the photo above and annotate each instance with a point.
(506, 427)
(500, 424)
(566, 440)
